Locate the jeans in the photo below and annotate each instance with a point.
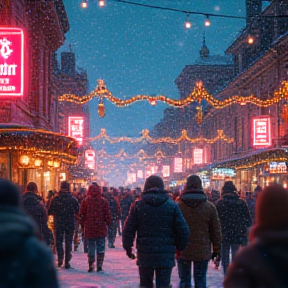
(199, 273)
(60, 233)
(96, 243)
(163, 276)
(225, 254)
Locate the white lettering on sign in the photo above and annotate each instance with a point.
(8, 70)
(7, 88)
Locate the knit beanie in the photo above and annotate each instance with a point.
(194, 182)
(228, 187)
(272, 208)
(9, 193)
(153, 181)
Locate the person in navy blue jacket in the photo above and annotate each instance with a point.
(160, 228)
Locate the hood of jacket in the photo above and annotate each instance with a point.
(230, 196)
(193, 198)
(155, 197)
(15, 227)
(65, 194)
(30, 198)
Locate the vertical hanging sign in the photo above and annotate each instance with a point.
(261, 129)
(11, 62)
(76, 128)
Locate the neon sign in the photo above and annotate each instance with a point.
(11, 62)
(178, 165)
(198, 156)
(261, 131)
(76, 128)
(166, 171)
(90, 159)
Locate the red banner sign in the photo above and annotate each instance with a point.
(76, 128)
(11, 62)
(261, 131)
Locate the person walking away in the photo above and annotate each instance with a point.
(33, 205)
(125, 202)
(202, 219)
(24, 260)
(235, 221)
(160, 228)
(115, 213)
(263, 262)
(95, 217)
(64, 207)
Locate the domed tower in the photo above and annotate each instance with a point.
(204, 51)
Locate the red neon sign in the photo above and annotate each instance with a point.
(261, 131)
(76, 128)
(11, 62)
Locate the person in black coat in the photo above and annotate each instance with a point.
(160, 228)
(263, 262)
(235, 220)
(64, 207)
(34, 206)
(24, 260)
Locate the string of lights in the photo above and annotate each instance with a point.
(140, 154)
(199, 93)
(145, 136)
(187, 24)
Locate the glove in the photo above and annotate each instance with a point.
(130, 254)
(215, 256)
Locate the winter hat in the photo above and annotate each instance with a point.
(65, 186)
(32, 187)
(194, 182)
(9, 193)
(153, 181)
(272, 208)
(228, 187)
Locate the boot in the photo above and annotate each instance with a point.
(91, 264)
(100, 259)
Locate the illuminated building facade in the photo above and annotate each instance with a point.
(29, 111)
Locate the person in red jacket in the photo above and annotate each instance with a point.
(95, 217)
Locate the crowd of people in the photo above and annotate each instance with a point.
(188, 229)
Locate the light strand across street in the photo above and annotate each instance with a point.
(199, 93)
(145, 136)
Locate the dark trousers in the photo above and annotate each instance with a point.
(112, 232)
(67, 234)
(199, 273)
(163, 276)
(225, 254)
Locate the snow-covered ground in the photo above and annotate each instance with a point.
(118, 272)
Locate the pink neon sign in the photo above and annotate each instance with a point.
(11, 62)
(76, 128)
(198, 156)
(90, 159)
(261, 131)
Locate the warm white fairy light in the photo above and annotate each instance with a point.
(84, 4)
(207, 21)
(101, 3)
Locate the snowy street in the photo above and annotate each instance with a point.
(119, 272)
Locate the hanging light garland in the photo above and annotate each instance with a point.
(199, 93)
(145, 136)
(140, 154)
(255, 159)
